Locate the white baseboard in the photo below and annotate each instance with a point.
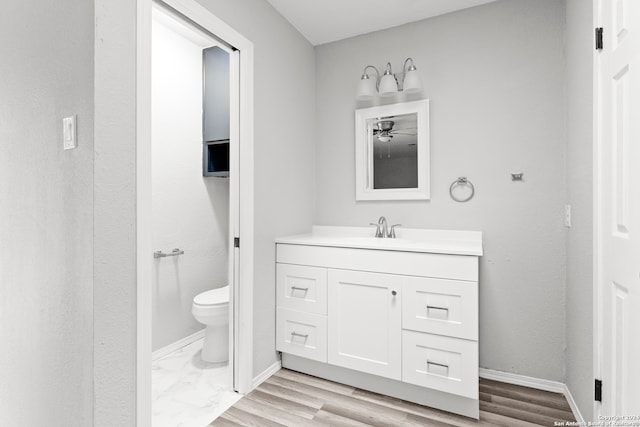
(537, 383)
(573, 405)
(161, 352)
(264, 375)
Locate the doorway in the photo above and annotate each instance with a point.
(240, 193)
(193, 258)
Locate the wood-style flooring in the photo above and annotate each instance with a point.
(290, 398)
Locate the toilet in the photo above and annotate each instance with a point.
(211, 308)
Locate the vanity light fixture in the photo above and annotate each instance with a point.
(389, 84)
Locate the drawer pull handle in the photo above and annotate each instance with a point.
(434, 307)
(297, 288)
(298, 334)
(439, 369)
(442, 365)
(437, 313)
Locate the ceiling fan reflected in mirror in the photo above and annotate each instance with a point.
(384, 131)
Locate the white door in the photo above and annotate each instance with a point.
(235, 361)
(364, 326)
(617, 208)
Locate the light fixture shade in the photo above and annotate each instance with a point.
(366, 89)
(388, 85)
(384, 138)
(412, 82)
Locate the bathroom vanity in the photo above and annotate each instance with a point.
(395, 316)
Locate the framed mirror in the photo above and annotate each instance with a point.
(392, 152)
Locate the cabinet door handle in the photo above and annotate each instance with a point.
(298, 334)
(297, 288)
(394, 293)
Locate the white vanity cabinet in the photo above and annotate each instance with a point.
(391, 320)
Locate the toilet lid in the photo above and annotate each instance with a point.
(213, 297)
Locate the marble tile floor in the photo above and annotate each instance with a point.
(188, 392)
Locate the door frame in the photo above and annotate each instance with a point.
(241, 216)
(597, 208)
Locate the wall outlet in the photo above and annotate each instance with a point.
(567, 216)
(69, 133)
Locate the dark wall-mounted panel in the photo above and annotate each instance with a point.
(215, 158)
(216, 94)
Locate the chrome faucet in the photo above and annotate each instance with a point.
(382, 229)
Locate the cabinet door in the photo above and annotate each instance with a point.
(364, 322)
(216, 94)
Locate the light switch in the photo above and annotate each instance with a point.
(69, 133)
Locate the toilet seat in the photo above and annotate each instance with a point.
(213, 297)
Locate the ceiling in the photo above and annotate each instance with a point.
(330, 20)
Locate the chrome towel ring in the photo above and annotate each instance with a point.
(462, 182)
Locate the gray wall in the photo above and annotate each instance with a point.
(284, 165)
(579, 327)
(46, 208)
(494, 75)
(115, 289)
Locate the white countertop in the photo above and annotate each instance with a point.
(407, 240)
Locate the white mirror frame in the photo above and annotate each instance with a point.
(364, 152)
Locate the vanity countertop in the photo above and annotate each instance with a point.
(408, 240)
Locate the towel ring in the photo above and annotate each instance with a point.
(462, 181)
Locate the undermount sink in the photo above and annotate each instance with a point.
(407, 240)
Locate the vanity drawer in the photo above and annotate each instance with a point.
(302, 288)
(442, 363)
(301, 334)
(439, 306)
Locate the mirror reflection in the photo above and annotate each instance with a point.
(395, 155)
(392, 151)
